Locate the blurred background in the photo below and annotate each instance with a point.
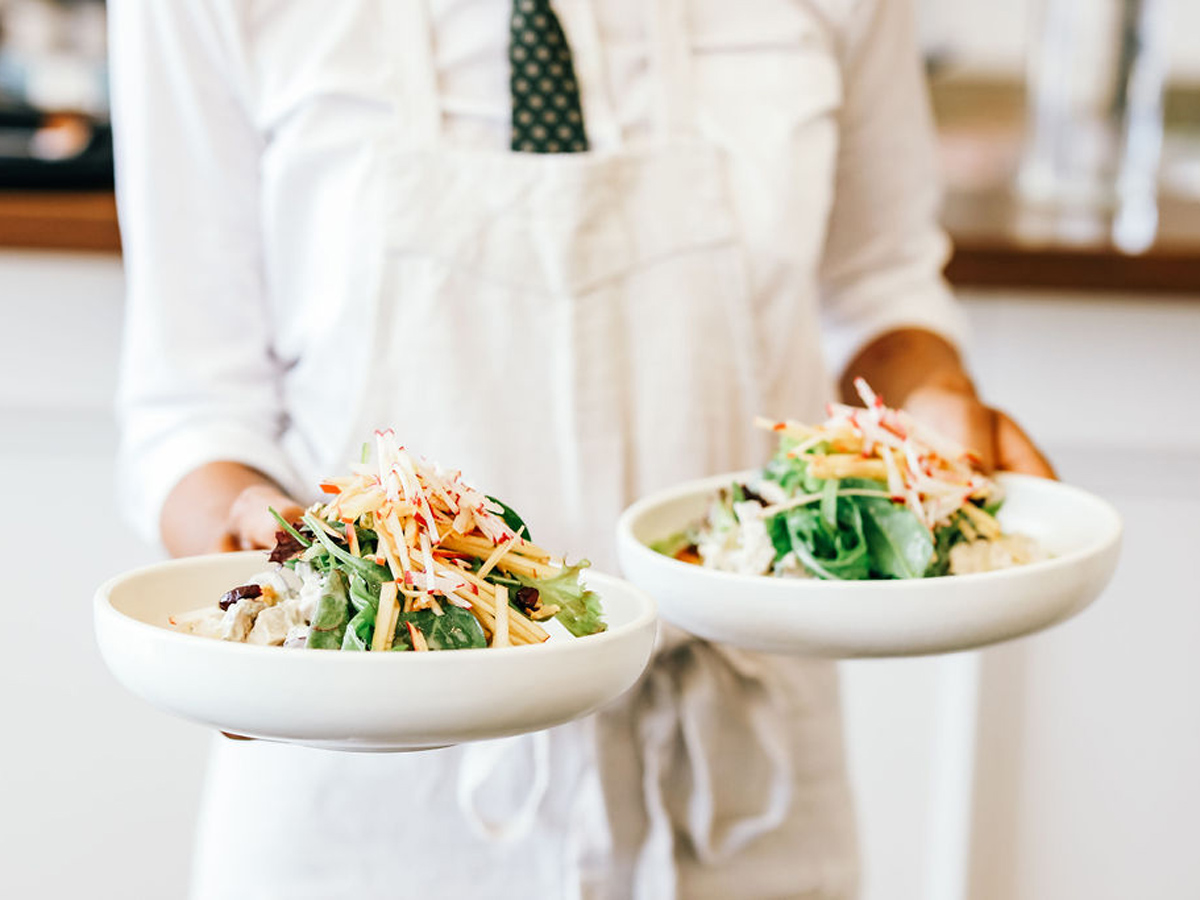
(1064, 766)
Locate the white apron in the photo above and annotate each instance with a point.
(571, 331)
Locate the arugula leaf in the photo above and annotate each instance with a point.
(781, 537)
(900, 546)
(579, 608)
(288, 528)
(837, 551)
(370, 573)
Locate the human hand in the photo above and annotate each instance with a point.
(996, 439)
(922, 373)
(250, 525)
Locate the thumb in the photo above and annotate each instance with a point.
(1016, 452)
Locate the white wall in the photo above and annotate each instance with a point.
(99, 791)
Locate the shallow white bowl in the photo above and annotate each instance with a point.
(357, 701)
(847, 619)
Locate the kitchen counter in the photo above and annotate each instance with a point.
(1004, 241)
(1001, 242)
(52, 220)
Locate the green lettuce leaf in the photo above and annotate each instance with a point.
(900, 546)
(945, 537)
(360, 629)
(579, 608)
(454, 629)
(333, 612)
(791, 472)
(834, 549)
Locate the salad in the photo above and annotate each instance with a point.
(872, 493)
(403, 556)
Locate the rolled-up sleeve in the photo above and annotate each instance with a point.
(884, 252)
(198, 380)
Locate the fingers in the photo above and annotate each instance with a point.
(228, 543)
(258, 531)
(980, 437)
(960, 417)
(251, 525)
(1015, 452)
(996, 440)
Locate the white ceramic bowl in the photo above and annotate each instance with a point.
(357, 701)
(846, 619)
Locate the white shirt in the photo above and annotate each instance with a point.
(284, 260)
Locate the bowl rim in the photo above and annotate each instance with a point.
(104, 610)
(628, 541)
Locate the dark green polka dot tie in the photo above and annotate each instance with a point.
(546, 113)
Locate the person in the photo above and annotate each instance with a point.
(571, 249)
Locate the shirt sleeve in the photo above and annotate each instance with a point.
(884, 251)
(198, 381)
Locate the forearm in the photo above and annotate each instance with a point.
(899, 362)
(197, 516)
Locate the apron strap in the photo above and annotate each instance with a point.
(672, 56)
(419, 106)
(578, 18)
(669, 49)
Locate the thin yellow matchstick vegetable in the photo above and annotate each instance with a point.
(839, 465)
(417, 638)
(518, 623)
(486, 602)
(496, 556)
(512, 561)
(393, 550)
(984, 523)
(385, 618)
(479, 546)
(500, 638)
(795, 430)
